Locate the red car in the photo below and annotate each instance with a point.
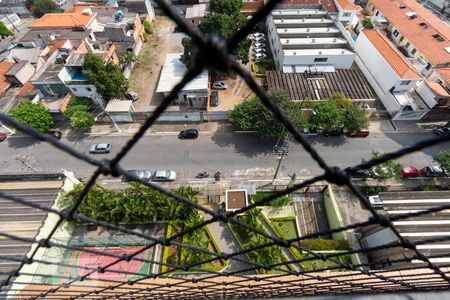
(362, 133)
(2, 136)
(410, 172)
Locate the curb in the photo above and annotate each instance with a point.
(161, 133)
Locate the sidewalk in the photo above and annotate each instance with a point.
(162, 129)
(387, 125)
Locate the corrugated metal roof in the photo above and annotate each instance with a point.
(172, 73)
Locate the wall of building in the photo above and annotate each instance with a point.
(339, 61)
(427, 94)
(24, 74)
(52, 90)
(274, 42)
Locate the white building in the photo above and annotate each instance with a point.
(303, 38)
(392, 76)
(193, 94)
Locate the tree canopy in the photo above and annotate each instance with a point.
(106, 77)
(253, 115)
(328, 115)
(443, 159)
(386, 170)
(79, 111)
(223, 21)
(41, 7)
(4, 31)
(136, 204)
(34, 115)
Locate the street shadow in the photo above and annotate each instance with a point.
(246, 144)
(76, 135)
(24, 141)
(330, 141)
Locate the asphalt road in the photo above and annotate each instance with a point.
(233, 154)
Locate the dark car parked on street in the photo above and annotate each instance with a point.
(333, 132)
(433, 171)
(214, 101)
(56, 134)
(2, 136)
(441, 130)
(141, 174)
(188, 134)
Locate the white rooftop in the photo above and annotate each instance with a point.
(172, 73)
(302, 21)
(298, 12)
(304, 68)
(339, 51)
(314, 41)
(196, 11)
(310, 30)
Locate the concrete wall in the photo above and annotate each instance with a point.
(274, 42)
(426, 94)
(339, 61)
(333, 214)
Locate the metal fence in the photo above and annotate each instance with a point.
(193, 281)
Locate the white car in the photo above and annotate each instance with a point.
(219, 85)
(259, 56)
(100, 148)
(259, 39)
(259, 45)
(259, 50)
(165, 176)
(61, 2)
(258, 35)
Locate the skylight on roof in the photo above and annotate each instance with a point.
(423, 25)
(438, 37)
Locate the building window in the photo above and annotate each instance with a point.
(407, 45)
(320, 59)
(395, 33)
(413, 51)
(401, 39)
(405, 82)
(346, 14)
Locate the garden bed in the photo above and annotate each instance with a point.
(285, 227)
(281, 201)
(201, 238)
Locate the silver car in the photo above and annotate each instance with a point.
(141, 174)
(101, 148)
(164, 176)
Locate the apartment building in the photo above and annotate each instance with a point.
(302, 37)
(421, 36)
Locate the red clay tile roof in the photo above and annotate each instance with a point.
(420, 38)
(58, 44)
(390, 53)
(347, 4)
(437, 88)
(4, 67)
(444, 73)
(64, 20)
(28, 87)
(327, 4)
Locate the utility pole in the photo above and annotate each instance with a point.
(281, 151)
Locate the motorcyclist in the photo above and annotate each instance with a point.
(217, 175)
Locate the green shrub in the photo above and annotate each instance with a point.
(370, 190)
(35, 115)
(172, 259)
(323, 244)
(148, 27)
(4, 31)
(367, 23)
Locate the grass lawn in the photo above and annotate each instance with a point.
(287, 227)
(318, 264)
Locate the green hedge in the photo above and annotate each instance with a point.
(166, 248)
(323, 244)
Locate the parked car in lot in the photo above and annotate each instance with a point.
(141, 174)
(309, 132)
(410, 171)
(363, 174)
(214, 100)
(259, 55)
(361, 133)
(56, 134)
(259, 45)
(259, 39)
(441, 130)
(258, 35)
(433, 171)
(219, 85)
(130, 95)
(165, 176)
(101, 148)
(259, 50)
(333, 132)
(2, 136)
(188, 134)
